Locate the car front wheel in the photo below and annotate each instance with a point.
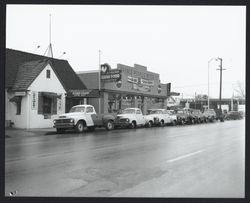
(110, 125)
(79, 127)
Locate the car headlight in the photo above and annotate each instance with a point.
(71, 120)
(127, 120)
(155, 118)
(54, 121)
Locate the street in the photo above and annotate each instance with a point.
(201, 160)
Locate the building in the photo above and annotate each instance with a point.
(227, 104)
(38, 88)
(126, 87)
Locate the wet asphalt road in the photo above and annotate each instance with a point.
(205, 160)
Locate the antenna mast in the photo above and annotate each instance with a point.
(49, 49)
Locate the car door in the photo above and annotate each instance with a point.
(90, 114)
(139, 117)
(167, 117)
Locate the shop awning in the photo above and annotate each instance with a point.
(51, 94)
(16, 99)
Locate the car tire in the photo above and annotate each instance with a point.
(60, 130)
(132, 125)
(79, 127)
(162, 123)
(150, 124)
(174, 122)
(109, 125)
(183, 122)
(192, 121)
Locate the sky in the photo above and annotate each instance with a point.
(178, 42)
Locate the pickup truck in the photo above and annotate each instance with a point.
(130, 118)
(158, 117)
(83, 117)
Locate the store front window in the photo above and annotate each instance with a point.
(47, 103)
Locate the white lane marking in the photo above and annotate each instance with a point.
(184, 156)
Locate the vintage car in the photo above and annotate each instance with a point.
(233, 115)
(130, 118)
(209, 114)
(173, 116)
(82, 117)
(199, 117)
(158, 117)
(184, 116)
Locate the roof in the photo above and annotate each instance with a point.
(18, 61)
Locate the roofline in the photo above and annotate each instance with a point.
(36, 54)
(88, 71)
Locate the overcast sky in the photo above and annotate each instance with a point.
(175, 41)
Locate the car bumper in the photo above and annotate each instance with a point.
(64, 125)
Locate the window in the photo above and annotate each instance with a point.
(89, 110)
(47, 73)
(138, 112)
(47, 104)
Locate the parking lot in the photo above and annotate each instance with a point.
(200, 160)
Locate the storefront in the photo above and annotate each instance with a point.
(126, 87)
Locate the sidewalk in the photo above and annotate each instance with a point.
(15, 132)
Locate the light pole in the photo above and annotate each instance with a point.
(216, 59)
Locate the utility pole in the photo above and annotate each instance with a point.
(99, 82)
(220, 69)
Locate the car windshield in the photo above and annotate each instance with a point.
(155, 112)
(77, 109)
(128, 111)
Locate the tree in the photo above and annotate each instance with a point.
(239, 89)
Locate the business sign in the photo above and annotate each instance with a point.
(33, 101)
(78, 93)
(133, 80)
(147, 82)
(111, 75)
(20, 93)
(141, 88)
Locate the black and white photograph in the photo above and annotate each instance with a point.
(141, 101)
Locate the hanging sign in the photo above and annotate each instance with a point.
(78, 93)
(33, 101)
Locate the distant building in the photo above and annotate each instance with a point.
(38, 88)
(126, 87)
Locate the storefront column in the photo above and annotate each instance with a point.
(136, 101)
(144, 104)
(104, 107)
(165, 103)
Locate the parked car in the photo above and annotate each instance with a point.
(198, 116)
(81, 117)
(158, 117)
(233, 115)
(173, 116)
(184, 116)
(210, 115)
(130, 118)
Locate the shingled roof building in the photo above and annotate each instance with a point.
(38, 88)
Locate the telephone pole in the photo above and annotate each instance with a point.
(220, 69)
